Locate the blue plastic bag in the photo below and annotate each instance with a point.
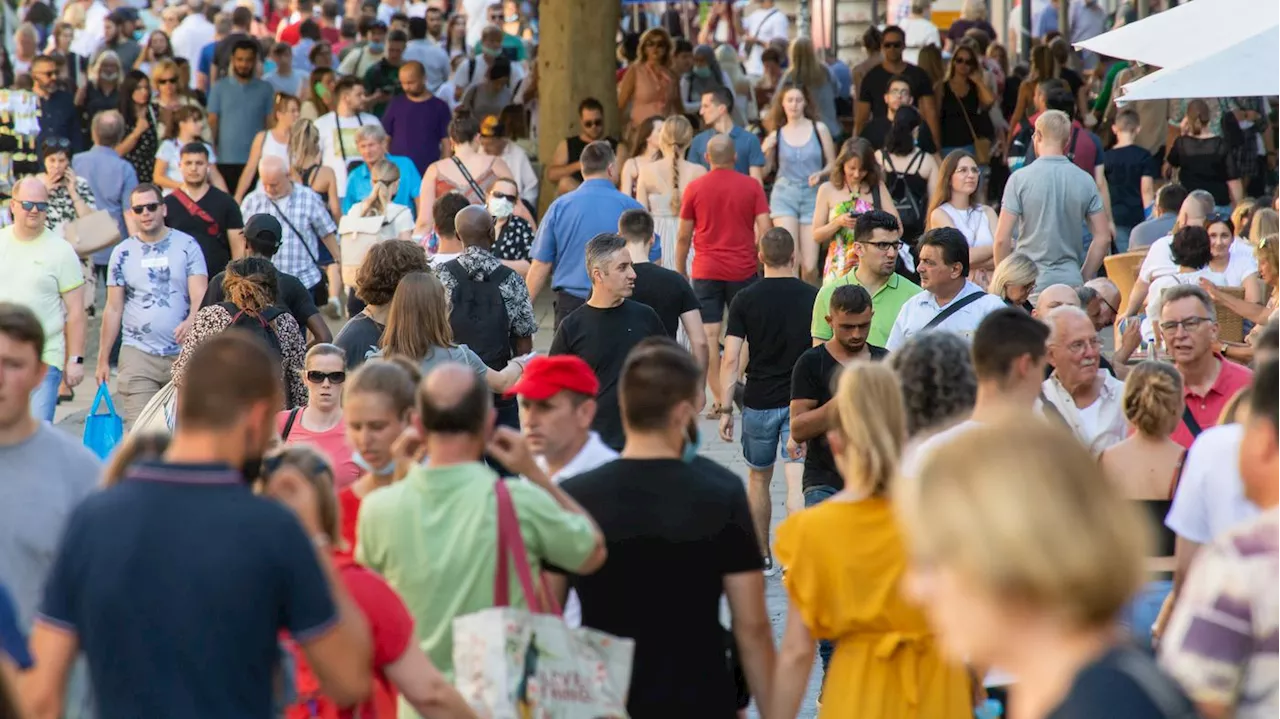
(102, 432)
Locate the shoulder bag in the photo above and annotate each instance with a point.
(302, 240)
(93, 232)
(981, 145)
(197, 211)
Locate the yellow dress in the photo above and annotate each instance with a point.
(845, 563)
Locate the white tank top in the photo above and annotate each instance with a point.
(972, 223)
(274, 148)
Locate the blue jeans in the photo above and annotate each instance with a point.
(764, 436)
(1143, 611)
(1121, 239)
(814, 495)
(44, 400)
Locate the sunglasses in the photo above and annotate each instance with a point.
(31, 206)
(893, 45)
(593, 123)
(166, 81)
(502, 196)
(963, 61)
(318, 377)
(60, 143)
(148, 207)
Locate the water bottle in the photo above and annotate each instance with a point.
(990, 709)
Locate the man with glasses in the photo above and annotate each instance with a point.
(154, 283)
(898, 95)
(41, 271)
(872, 93)
(1189, 327)
(876, 243)
(1078, 393)
(565, 168)
(58, 115)
(512, 46)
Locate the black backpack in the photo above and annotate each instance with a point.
(478, 315)
(258, 325)
(910, 208)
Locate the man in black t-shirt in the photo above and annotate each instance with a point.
(201, 210)
(604, 329)
(666, 512)
(772, 318)
(665, 291)
(898, 94)
(262, 234)
(871, 93)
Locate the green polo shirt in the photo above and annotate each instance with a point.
(885, 304)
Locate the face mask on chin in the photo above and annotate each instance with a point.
(364, 465)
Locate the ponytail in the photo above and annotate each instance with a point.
(383, 176)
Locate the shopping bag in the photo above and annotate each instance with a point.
(158, 415)
(102, 432)
(513, 663)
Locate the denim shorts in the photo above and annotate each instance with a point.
(792, 199)
(818, 493)
(764, 436)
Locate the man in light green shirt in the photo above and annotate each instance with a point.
(876, 243)
(433, 536)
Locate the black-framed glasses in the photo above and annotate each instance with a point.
(57, 143)
(318, 377)
(33, 206)
(1108, 305)
(147, 207)
(504, 196)
(882, 246)
(1190, 324)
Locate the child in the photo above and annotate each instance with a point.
(185, 126)
(1131, 173)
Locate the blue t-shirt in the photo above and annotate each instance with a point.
(156, 300)
(745, 144)
(359, 184)
(242, 109)
(205, 63)
(1125, 168)
(176, 583)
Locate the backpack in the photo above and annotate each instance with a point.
(478, 315)
(258, 325)
(908, 205)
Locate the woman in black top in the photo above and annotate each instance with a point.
(141, 116)
(963, 101)
(1204, 161)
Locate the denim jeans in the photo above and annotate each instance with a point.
(44, 400)
(1121, 239)
(815, 495)
(1143, 611)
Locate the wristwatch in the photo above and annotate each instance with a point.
(75, 359)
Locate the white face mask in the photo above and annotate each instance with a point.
(501, 208)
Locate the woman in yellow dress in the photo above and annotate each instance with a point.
(844, 563)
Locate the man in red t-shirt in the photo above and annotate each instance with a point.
(722, 214)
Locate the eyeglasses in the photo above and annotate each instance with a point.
(593, 123)
(882, 246)
(318, 377)
(31, 206)
(893, 45)
(1079, 346)
(1108, 305)
(503, 196)
(901, 92)
(148, 207)
(166, 81)
(58, 143)
(1190, 324)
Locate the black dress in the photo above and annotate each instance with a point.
(143, 154)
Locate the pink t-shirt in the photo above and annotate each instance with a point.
(333, 443)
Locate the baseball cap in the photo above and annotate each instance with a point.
(263, 229)
(123, 14)
(545, 376)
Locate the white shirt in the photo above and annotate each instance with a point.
(526, 179)
(920, 32)
(335, 146)
(87, 40)
(193, 33)
(1210, 497)
(1162, 279)
(473, 70)
(435, 61)
(765, 25)
(922, 308)
(1097, 426)
(1160, 255)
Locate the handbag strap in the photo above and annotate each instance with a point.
(288, 424)
(964, 112)
(953, 308)
(301, 240)
(475, 187)
(511, 548)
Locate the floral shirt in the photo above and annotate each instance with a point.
(156, 298)
(515, 240)
(212, 320)
(61, 209)
(840, 257)
(480, 264)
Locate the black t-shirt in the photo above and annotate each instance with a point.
(689, 524)
(876, 132)
(359, 338)
(772, 315)
(876, 83)
(1072, 78)
(1123, 684)
(1125, 168)
(815, 378)
(665, 292)
(212, 238)
(291, 296)
(603, 337)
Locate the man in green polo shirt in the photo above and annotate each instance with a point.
(876, 242)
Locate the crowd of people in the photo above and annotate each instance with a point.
(1017, 344)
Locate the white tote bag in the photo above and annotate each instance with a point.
(519, 664)
(158, 414)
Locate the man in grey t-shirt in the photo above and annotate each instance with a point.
(1053, 199)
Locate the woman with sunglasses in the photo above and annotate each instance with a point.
(320, 423)
(300, 478)
(141, 121)
(513, 235)
(964, 99)
(650, 87)
(183, 128)
(167, 80)
(271, 142)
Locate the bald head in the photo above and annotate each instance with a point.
(474, 227)
(30, 189)
(107, 128)
(1055, 296)
(452, 400)
(720, 151)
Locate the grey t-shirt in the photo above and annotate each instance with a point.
(461, 354)
(1054, 199)
(42, 479)
(1145, 233)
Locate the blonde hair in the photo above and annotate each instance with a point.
(1017, 269)
(674, 141)
(96, 66)
(973, 10)
(1067, 544)
(868, 414)
(1054, 125)
(384, 174)
(132, 449)
(1152, 399)
(1265, 222)
(806, 70)
(1266, 252)
(73, 15)
(1242, 214)
(304, 144)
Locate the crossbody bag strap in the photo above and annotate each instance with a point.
(337, 121)
(953, 308)
(1177, 474)
(1190, 421)
(964, 112)
(196, 210)
(301, 240)
(475, 187)
(288, 423)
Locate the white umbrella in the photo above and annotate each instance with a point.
(1186, 33)
(1250, 68)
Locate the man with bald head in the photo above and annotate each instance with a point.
(1053, 297)
(406, 521)
(722, 216)
(307, 224)
(1078, 393)
(41, 272)
(110, 177)
(1102, 303)
(489, 306)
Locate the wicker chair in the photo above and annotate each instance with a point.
(1230, 324)
(1123, 269)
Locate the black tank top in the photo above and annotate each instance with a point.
(576, 145)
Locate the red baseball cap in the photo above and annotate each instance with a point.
(544, 376)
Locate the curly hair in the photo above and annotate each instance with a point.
(938, 382)
(250, 283)
(386, 264)
(1190, 247)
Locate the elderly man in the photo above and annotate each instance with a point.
(1053, 297)
(372, 143)
(307, 225)
(110, 176)
(1101, 299)
(1077, 393)
(1189, 327)
(41, 271)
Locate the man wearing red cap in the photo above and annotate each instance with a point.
(558, 399)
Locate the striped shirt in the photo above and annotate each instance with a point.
(301, 211)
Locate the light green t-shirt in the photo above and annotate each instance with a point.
(36, 274)
(885, 305)
(433, 537)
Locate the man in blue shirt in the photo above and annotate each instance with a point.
(573, 219)
(59, 117)
(110, 176)
(371, 142)
(717, 113)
